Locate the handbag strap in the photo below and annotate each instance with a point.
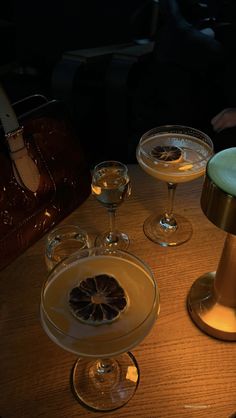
(24, 168)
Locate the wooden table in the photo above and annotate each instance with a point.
(184, 373)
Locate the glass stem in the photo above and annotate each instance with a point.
(106, 372)
(168, 221)
(105, 366)
(112, 237)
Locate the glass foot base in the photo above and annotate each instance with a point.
(121, 242)
(105, 388)
(167, 237)
(210, 316)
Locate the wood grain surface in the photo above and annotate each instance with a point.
(184, 373)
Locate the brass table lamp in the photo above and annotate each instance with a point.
(212, 298)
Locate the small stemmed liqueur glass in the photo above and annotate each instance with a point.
(110, 186)
(90, 306)
(174, 154)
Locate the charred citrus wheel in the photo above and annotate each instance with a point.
(167, 153)
(97, 300)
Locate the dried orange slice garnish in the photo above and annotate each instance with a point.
(97, 300)
(167, 153)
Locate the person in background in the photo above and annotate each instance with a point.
(224, 129)
(224, 120)
(186, 65)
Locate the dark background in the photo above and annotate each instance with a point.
(173, 72)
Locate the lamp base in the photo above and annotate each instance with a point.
(212, 317)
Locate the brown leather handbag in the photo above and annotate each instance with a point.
(44, 175)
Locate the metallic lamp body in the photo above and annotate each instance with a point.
(212, 298)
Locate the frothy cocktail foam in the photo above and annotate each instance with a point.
(106, 339)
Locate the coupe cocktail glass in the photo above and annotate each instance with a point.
(110, 186)
(90, 306)
(174, 154)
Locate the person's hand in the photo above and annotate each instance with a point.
(225, 119)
